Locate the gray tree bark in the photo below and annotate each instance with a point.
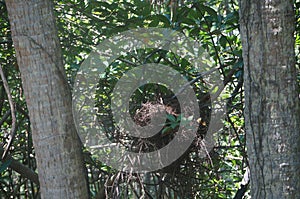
(48, 97)
(272, 114)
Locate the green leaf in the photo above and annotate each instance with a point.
(164, 19)
(5, 165)
(211, 12)
(165, 130)
(182, 12)
(171, 118)
(174, 125)
(154, 23)
(223, 41)
(194, 15)
(239, 64)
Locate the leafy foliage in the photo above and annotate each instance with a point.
(81, 26)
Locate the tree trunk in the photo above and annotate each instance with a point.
(272, 114)
(48, 97)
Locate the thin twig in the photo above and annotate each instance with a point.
(199, 76)
(13, 113)
(4, 117)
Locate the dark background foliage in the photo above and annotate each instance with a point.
(81, 26)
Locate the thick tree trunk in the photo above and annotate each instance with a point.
(48, 97)
(272, 114)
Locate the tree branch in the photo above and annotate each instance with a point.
(13, 113)
(20, 168)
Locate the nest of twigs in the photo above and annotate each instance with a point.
(178, 176)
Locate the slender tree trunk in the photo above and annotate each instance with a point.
(58, 153)
(272, 114)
